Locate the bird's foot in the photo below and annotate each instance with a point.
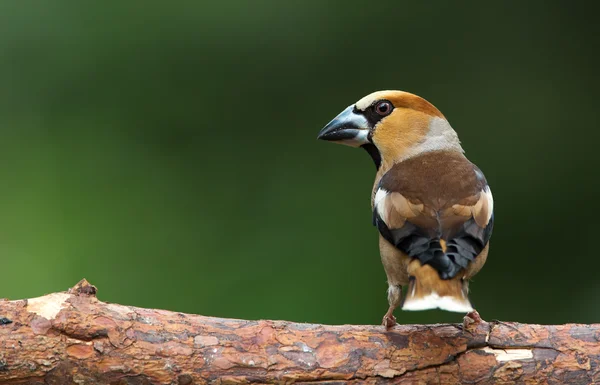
(389, 321)
(472, 320)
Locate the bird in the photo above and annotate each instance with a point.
(432, 207)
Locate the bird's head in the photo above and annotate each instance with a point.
(392, 126)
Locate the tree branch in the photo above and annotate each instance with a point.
(71, 337)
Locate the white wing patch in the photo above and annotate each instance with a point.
(380, 205)
(379, 196)
(481, 211)
(393, 208)
(490, 199)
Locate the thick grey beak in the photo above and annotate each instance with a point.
(349, 128)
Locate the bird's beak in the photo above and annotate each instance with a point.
(349, 128)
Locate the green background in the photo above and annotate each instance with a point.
(167, 151)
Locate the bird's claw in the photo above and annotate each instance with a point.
(389, 321)
(471, 320)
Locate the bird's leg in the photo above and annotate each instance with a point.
(394, 298)
(472, 319)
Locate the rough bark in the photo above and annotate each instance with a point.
(72, 337)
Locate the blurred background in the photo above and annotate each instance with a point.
(167, 152)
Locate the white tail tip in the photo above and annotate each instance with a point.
(434, 301)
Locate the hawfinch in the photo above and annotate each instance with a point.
(432, 206)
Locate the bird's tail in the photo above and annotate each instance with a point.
(426, 290)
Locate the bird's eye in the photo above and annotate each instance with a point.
(383, 108)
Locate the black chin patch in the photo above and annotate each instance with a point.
(374, 153)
